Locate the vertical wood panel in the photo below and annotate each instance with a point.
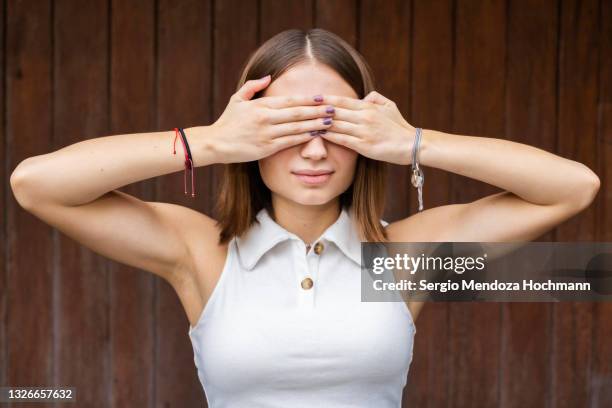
(604, 124)
(478, 110)
(601, 370)
(5, 196)
(577, 129)
(185, 31)
(231, 49)
(339, 17)
(531, 119)
(29, 132)
(131, 290)
(276, 16)
(81, 292)
(431, 90)
(385, 42)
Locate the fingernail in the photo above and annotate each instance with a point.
(314, 132)
(262, 78)
(330, 109)
(327, 121)
(318, 98)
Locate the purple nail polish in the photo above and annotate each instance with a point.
(318, 98)
(327, 121)
(330, 109)
(314, 132)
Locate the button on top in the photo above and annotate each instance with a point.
(307, 283)
(318, 248)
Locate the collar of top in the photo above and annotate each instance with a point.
(266, 233)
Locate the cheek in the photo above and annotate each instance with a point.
(348, 162)
(272, 168)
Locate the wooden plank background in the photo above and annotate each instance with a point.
(537, 72)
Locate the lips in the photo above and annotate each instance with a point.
(312, 172)
(313, 177)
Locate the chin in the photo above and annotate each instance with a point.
(313, 198)
(313, 201)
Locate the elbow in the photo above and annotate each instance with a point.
(21, 187)
(586, 191)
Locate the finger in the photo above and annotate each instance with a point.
(251, 87)
(342, 139)
(375, 97)
(378, 99)
(348, 115)
(278, 102)
(345, 127)
(298, 113)
(346, 102)
(283, 142)
(303, 126)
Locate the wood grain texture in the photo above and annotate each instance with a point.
(132, 109)
(531, 67)
(576, 139)
(385, 42)
(601, 368)
(5, 196)
(339, 17)
(80, 111)
(30, 334)
(478, 106)
(431, 91)
(185, 32)
(276, 16)
(533, 72)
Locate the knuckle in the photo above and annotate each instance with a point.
(294, 128)
(260, 117)
(291, 100)
(263, 141)
(369, 115)
(296, 115)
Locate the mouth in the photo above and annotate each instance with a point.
(313, 177)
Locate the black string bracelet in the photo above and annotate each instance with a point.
(188, 161)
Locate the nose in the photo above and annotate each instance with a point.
(315, 149)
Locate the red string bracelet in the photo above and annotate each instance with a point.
(188, 159)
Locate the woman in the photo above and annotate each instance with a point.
(272, 288)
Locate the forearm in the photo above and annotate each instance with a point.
(531, 173)
(84, 171)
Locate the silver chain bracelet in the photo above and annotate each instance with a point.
(418, 177)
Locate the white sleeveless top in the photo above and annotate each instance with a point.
(266, 339)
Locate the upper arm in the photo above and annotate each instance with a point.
(152, 236)
(500, 217)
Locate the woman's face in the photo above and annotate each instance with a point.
(278, 171)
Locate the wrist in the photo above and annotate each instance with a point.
(427, 145)
(201, 143)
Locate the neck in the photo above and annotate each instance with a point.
(306, 221)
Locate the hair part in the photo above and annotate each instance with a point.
(243, 192)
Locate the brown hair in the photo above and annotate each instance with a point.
(243, 192)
